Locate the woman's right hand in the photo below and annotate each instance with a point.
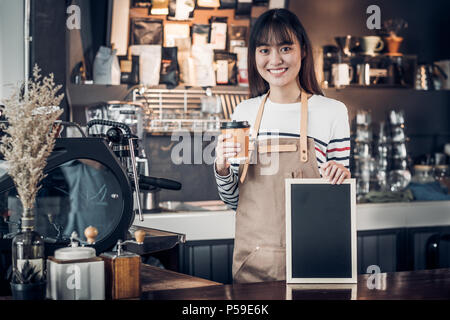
(224, 151)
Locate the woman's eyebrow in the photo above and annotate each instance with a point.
(284, 43)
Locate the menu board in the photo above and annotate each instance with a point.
(320, 231)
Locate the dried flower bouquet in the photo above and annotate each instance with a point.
(30, 134)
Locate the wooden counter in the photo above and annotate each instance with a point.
(153, 279)
(410, 285)
(159, 284)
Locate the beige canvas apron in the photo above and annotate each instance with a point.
(260, 243)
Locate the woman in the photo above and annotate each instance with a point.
(286, 108)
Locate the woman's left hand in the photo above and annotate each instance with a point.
(335, 172)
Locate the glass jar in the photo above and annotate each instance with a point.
(423, 174)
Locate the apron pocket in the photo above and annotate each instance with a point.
(263, 264)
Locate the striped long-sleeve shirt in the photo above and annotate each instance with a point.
(328, 125)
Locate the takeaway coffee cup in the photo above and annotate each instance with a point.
(239, 131)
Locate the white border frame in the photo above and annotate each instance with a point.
(289, 279)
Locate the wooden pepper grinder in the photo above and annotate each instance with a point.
(140, 236)
(91, 234)
(123, 271)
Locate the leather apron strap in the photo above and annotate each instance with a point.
(304, 128)
(303, 132)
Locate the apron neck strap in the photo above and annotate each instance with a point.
(259, 117)
(304, 128)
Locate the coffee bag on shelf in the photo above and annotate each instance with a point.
(106, 67)
(218, 36)
(149, 63)
(146, 31)
(181, 10)
(200, 34)
(169, 67)
(226, 72)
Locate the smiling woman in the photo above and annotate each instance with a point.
(280, 32)
(303, 133)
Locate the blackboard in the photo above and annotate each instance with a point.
(320, 231)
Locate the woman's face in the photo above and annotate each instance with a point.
(279, 64)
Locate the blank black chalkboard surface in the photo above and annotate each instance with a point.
(320, 231)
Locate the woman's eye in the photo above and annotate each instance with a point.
(285, 49)
(263, 51)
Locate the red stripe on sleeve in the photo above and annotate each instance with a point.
(339, 149)
(323, 153)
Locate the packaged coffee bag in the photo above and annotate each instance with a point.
(241, 53)
(149, 63)
(129, 69)
(243, 9)
(169, 74)
(184, 52)
(181, 10)
(218, 36)
(227, 4)
(208, 4)
(200, 34)
(160, 7)
(226, 64)
(174, 31)
(146, 31)
(202, 65)
(106, 67)
(238, 37)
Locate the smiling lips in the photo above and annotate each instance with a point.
(277, 71)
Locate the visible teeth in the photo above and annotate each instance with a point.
(277, 71)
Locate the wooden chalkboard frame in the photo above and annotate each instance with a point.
(352, 200)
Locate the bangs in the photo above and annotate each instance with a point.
(274, 32)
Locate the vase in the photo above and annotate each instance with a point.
(393, 45)
(28, 255)
(29, 291)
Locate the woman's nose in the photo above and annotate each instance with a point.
(275, 58)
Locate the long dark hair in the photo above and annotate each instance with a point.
(279, 25)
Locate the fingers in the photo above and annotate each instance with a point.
(226, 149)
(342, 178)
(326, 164)
(336, 176)
(334, 172)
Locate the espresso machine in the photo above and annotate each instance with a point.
(90, 181)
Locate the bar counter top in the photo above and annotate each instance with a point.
(160, 284)
(407, 285)
(215, 221)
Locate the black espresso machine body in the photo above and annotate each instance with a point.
(85, 185)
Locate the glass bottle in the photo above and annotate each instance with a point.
(28, 246)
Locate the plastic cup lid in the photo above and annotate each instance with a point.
(235, 125)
